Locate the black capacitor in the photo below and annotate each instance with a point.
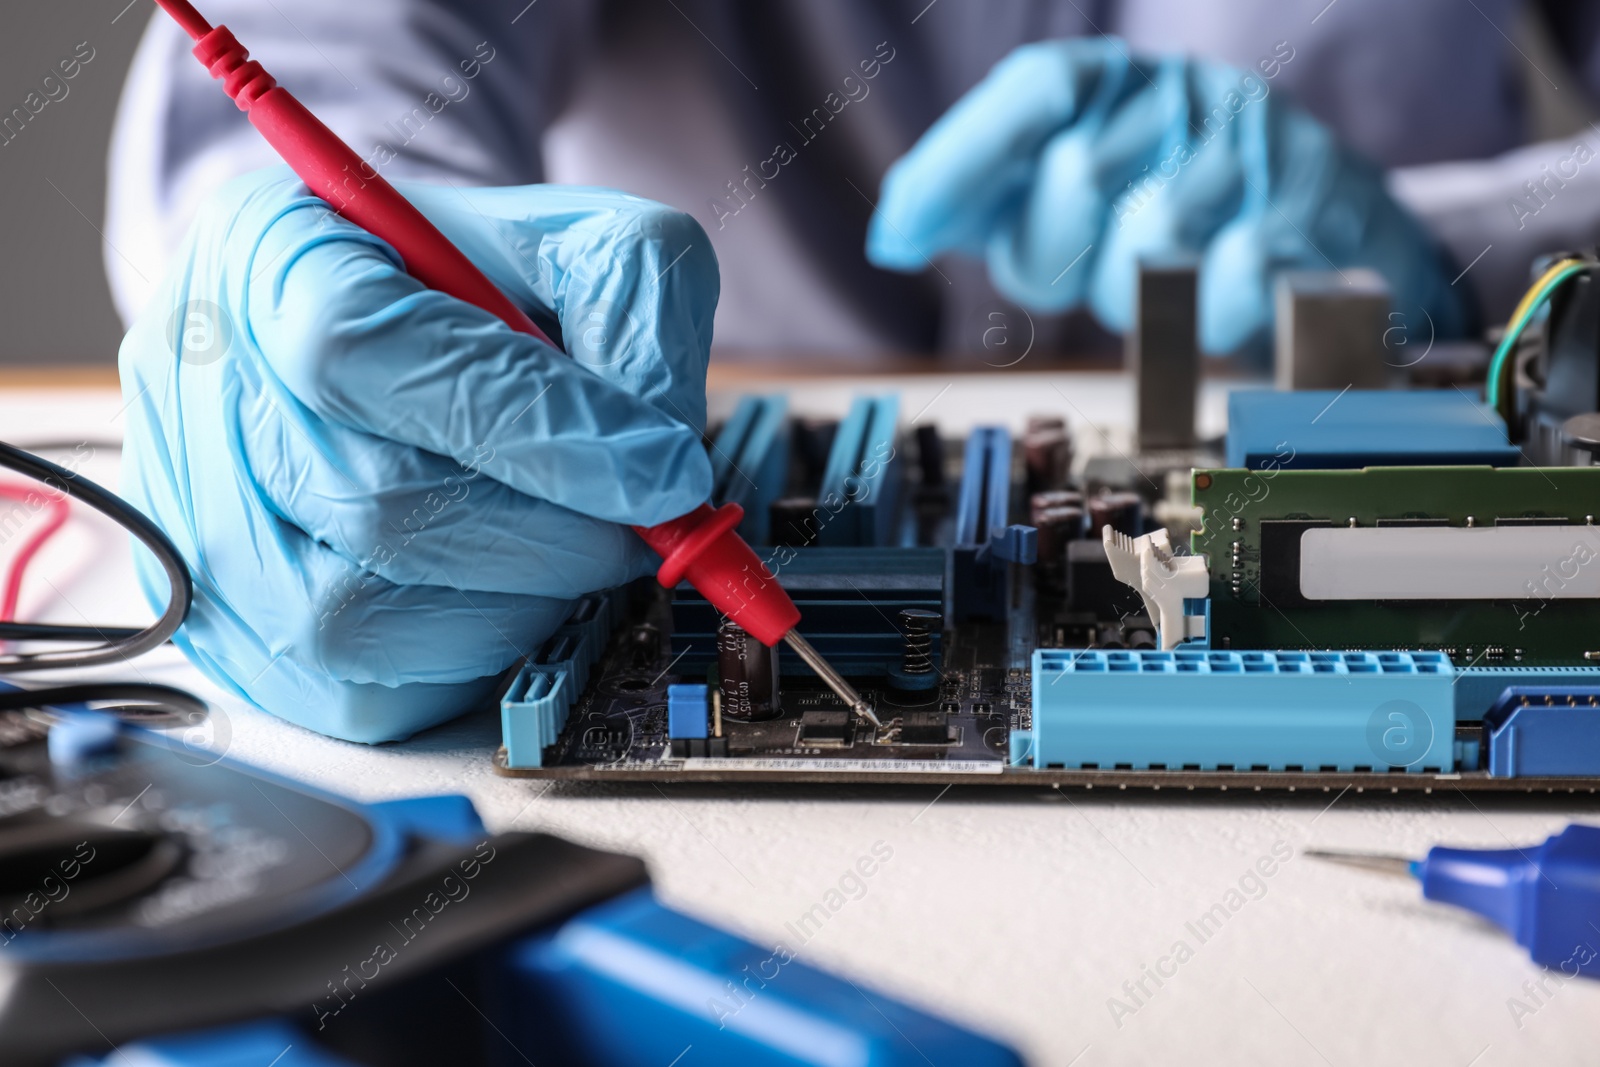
(1122, 511)
(1047, 455)
(1054, 498)
(1056, 527)
(1581, 435)
(749, 675)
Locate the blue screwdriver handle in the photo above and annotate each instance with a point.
(1547, 897)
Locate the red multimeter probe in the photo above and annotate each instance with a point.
(701, 546)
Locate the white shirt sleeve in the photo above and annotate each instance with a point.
(422, 89)
(1496, 215)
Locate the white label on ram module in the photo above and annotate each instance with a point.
(897, 766)
(1450, 563)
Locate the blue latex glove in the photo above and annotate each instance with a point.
(1072, 148)
(386, 495)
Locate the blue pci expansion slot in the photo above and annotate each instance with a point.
(750, 460)
(1272, 711)
(861, 486)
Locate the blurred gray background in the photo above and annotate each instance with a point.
(54, 305)
(55, 309)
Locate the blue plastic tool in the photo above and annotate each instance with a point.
(622, 981)
(1546, 896)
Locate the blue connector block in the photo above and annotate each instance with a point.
(593, 620)
(534, 709)
(750, 463)
(1016, 544)
(679, 984)
(532, 715)
(861, 483)
(1549, 731)
(687, 712)
(1315, 430)
(1240, 710)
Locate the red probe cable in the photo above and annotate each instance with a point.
(57, 518)
(701, 546)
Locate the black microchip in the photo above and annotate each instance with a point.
(924, 728)
(1091, 587)
(1280, 560)
(825, 726)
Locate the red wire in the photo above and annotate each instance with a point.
(54, 521)
(183, 12)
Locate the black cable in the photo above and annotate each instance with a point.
(116, 645)
(59, 444)
(144, 703)
(152, 705)
(49, 631)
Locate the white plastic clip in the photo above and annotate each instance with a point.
(1162, 580)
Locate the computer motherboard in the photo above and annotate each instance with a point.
(1363, 589)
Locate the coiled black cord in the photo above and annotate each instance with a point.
(142, 703)
(138, 701)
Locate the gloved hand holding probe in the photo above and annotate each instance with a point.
(385, 494)
(1072, 160)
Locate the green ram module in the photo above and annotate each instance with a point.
(1489, 565)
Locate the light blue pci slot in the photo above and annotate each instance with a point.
(1278, 711)
(750, 462)
(861, 483)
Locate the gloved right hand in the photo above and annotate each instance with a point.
(386, 495)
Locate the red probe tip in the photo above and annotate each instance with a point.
(184, 14)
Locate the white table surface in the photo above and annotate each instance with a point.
(1021, 913)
